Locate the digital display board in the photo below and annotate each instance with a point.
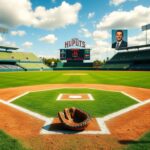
(74, 54)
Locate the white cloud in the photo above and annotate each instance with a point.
(52, 18)
(101, 50)
(5, 42)
(91, 15)
(27, 44)
(57, 17)
(16, 12)
(1, 39)
(126, 19)
(53, 1)
(117, 2)
(100, 35)
(85, 32)
(139, 39)
(19, 33)
(50, 38)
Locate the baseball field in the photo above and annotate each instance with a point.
(127, 78)
(120, 110)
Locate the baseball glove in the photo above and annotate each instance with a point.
(74, 119)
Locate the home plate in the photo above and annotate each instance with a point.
(75, 97)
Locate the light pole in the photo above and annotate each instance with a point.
(146, 28)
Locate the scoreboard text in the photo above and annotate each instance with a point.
(74, 54)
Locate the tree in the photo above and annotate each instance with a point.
(51, 62)
(97, 63)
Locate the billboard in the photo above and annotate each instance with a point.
(74, 54)
(119, 39)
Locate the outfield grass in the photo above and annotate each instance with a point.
(45, 102)
(142, 144)
(14, 79)
(9, 143)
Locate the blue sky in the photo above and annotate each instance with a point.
(88, 20)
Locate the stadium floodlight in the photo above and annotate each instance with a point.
(145, 28)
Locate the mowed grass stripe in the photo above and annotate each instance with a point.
(142, 144)
(9, 143)
(45, 102)
(15, 79)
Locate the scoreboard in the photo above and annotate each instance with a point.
(74, 54)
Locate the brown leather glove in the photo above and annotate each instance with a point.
(74, 119)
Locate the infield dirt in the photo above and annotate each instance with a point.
(124, 128)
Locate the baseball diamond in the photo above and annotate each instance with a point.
(74, 75)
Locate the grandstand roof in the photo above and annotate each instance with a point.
(8, 48)
(135, 47)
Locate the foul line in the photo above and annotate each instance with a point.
(48, 122)
(125, 110)
(13, 99)
(100, 121)
(31, 113)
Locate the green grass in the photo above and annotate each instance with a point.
(45, 102)
(9, 143)
(142, 144)
(14, 79)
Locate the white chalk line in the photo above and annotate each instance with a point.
(90, 97)
(31, 113)
(48, 122)
(13, 99)
(125, 110)
(73, 88)
(103, 129)
(101, 121)
(59, 97)
(131, 97)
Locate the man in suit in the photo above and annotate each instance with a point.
(120, 43)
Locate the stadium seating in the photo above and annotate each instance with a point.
(16, 61)
(131, 56)
(33, 66)
(117, 66)
(10, 67)
(21, 56)
(130, 60)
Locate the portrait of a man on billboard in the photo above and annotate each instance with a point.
(119, 39)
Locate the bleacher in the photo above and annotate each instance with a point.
(130, 60)
(19, 61)
(34, 66)
(10, 67)
(116, 66)
(18, 56)
(131, 56)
